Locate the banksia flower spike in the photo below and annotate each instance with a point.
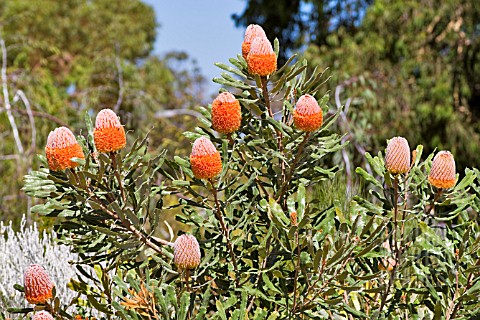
(397, 156)
(186, 252)
(293, 218)
(42, 315)
(442, 174)
(226, 113)
(109, 134)
(261, 60)
(37, 284)
(307, 115)
(61, 148)
(253, 31)
(205, 160)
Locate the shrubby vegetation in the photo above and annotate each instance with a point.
(269, 225)
(269, 249)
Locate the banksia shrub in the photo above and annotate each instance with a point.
(205, 160)
(307, 115)
(37, 284)
(226, 113)
(109, 134)
(186, 252)
(42, 315)
(253, 31)
(261, 60)
(61, 148)
(397, 156)
(442, 174)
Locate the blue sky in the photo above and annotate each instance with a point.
(202, 28)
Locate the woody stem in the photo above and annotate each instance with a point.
(292, 168)
(218, 214)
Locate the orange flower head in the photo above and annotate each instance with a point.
(37, 284)
(61, 148)
(42, 315)
(253, 31)
(205, 160)
(308, 115)
(226, 113)
(109, 134)
(443, 174)
(397, 156)
(186, 252)
(261, 60)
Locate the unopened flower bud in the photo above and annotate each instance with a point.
(37, 284)
(442, 174)
(42, 315)
(397, 156)
(186, 252)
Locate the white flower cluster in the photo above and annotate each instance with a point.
(28, 246)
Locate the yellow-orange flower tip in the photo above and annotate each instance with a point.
(307, 115)
(442, 174)
(109, 134)
(37, 284)
(252, 31)
(226, 113)
(205, 160)
(397, 156)
(293, 218)
(261, 60)
(42, 315)
(61, 148)
(186, 252)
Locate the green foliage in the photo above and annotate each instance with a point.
(271, 249)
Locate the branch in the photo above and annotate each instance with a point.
(44, 115)
(22, 96)
(8, 107)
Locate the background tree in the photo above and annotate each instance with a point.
(299, 22)
(72, 56)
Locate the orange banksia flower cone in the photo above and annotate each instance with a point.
(261, 60)
(61, 148)
(37, 284)
(397, 156)
(205, 160)
(226, 113)
(186, 252)
(253, 31)
(42, 315)
(443, 174)
(307, 115)
(109, 134)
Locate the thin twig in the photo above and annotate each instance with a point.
(218, 214)
(292, 168)
(127, 224)
(39, 114)
(117, 175)
(297, 267)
